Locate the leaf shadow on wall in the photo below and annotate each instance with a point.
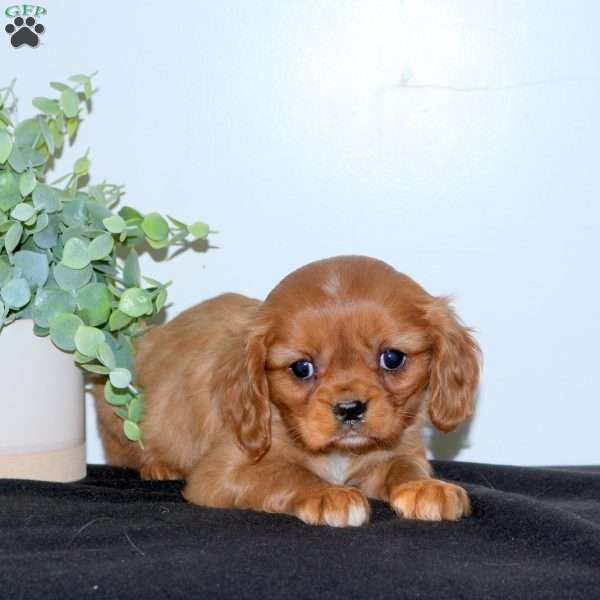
(162, 254)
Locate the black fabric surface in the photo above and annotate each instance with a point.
(535, 533)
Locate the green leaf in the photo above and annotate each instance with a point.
(45, 198)
(60, 121)
(161, 299)
(135, 302)
(72, 232)
(94, 302)
(122, 346)
(131, 270)
(98, 369)
(6, 145)
(81, 167)
(98, 212)
(34, 266)
(40, 331)
(16, 293)
(177, 223)
(5, 271)
(87, 89)
(130, 214)
(48, 236)
(16, 160)
(116, 397)
(42, 221)
(31, 157)
(32, 221)
(76, 254)
(22, 212)
(153, 282)
(46, 134)
(9, 190)
(50, 302)
(78, 78)
(13, 237)
(26, 133)
(63, 328)
(46, 105)
(136, 408)
(114, 290)
(118, 320)
(4, 118)
(27, 183)
(72, 125)
(101, 246)
(97, 195)
(114, 224)
(74, 212)
(82, 358)
(57, 85)
(87, 339)
(71, 279)
(57, 134)
(155, 227)
(69, 102)
(120, 412)
(106, 268)
(157, 245)
(132, 431)
(120, 378)
(199, 230)
(106, 356)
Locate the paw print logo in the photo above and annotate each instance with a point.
(24, 32)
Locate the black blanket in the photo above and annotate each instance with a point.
(535, 533)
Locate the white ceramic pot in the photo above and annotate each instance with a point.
(42, 410)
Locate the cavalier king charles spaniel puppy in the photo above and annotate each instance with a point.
(308, 403)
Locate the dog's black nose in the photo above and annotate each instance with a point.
(350, 411)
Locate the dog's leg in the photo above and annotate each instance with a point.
(405, 482)
(277, 487)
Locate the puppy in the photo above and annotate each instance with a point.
(307, 403)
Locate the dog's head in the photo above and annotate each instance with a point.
(350, 350)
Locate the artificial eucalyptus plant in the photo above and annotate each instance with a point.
(68, 258)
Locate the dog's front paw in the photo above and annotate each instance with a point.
(335, 505)
(159, 470)
(430, 500)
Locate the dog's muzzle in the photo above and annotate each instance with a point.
(350, 412)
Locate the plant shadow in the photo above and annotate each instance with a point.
(160, 254)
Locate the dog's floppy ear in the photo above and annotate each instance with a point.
(240, 385)
(454, 373)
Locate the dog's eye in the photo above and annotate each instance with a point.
(303, 369)
(391, 359)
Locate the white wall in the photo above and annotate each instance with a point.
(457, 140)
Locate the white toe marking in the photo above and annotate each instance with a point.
(357, 515)
(333, 519)
(431, 513)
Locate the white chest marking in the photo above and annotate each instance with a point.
(337, 468)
